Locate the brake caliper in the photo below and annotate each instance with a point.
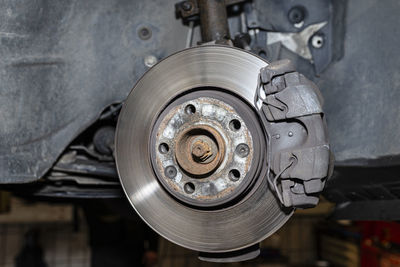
(299, 157)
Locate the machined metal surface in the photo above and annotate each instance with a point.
(238, 226)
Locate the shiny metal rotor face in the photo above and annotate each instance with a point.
(239, 224)
(203, 149)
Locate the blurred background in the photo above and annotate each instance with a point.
(95, 233)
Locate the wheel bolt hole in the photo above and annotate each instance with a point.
(163, 148)
(235, 125)
(190, 109)
(189, 188)
(234, 175)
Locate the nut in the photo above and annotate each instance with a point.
(201, 150)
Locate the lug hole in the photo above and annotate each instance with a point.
(189, 188)
(163, 148)
(190, 109)
(234, 175)
(235, 125)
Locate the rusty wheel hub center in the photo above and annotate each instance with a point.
(200, 150)
(203, 149)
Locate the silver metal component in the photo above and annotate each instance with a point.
(317, 41)
(241, 225)
(189, 37)
(299, 25)
(243, 25)
(296, 42)
(150, 61)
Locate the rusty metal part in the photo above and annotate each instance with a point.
(202, 143)
(202, 150)
(190, 8)
(199, 150)
(213, 20)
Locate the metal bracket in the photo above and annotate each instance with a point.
(190, 8)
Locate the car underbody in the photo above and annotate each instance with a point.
(240, 112)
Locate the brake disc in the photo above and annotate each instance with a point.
(197, 149)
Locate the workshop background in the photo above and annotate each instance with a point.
(39, 233)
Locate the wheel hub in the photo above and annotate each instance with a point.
(210, 149)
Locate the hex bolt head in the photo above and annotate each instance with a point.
(171, 172)
(242, 150)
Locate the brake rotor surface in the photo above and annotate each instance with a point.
(249, 212)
